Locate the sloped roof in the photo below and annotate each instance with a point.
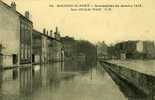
(19, 14)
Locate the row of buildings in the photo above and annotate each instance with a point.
(127, 50)
(21, 43)
(47, 46)
(136, 49)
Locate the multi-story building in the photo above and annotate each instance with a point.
(44, 46)
(26, 27)
(57, 48)
(1, 56)
(36, 46)
(52, 47)
(15, 35)
(24, 44)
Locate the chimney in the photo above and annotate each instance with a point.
(51, 33)
(27, 14)
(13, 5)
(56, 30)
(47, 32)
(44, 31)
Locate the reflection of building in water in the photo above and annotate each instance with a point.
(17, 47)
(25, 80)
(75, 66)
(37, 79)
(1, 78)
(50, 74)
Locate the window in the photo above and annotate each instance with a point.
(26, 30)
(25, 56)
(27, 52)
(22, 51)
(15, 59)
(22, 32)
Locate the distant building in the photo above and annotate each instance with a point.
(58, 47)
(57, 51)
(140, 46)
(81, 58)
(149, 49)
(69, 44)
(135, 49)
(15, 35)
(102, 50)
(44, 47)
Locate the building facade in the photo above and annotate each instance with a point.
(26, 28)
(36, 47)
(149, 49)
(1, 58)
(102, 50)
(135, 49)
(69, 47)
(26, 45)
(16, 33)
(44, 47)
(52, 47)
(57, 47)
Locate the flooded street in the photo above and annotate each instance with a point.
(76, 81)
(77, 50)
(59, 81)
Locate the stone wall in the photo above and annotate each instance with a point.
(143, 82)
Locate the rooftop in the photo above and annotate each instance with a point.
(19, 14)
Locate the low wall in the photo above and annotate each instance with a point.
(145, 83)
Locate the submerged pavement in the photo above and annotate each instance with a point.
(50, 84)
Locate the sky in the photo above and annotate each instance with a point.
(119, 24)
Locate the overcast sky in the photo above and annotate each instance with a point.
(109, 26)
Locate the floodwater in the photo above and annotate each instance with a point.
(59, 81)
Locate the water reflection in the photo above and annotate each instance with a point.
(1, 76)
(57, 81)
(25, 80)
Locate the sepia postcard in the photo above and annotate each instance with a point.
(77, 50)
